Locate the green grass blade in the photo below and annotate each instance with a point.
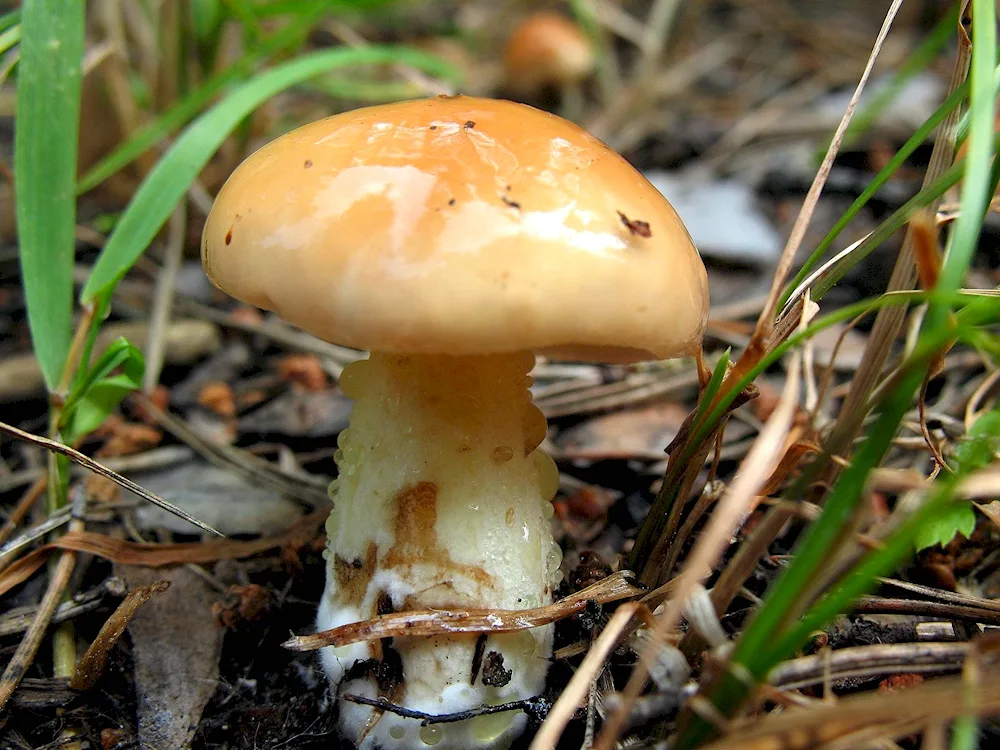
(975, 195)
(272, 8)
(365, 91)
(10, 19)
(45, 147)
(965, 732)
(159, 193)
(752, 652)
(758, 648)
(896, 221)
(885, 174)
(889, 226)
(978, 448)
(812, 548)
(709, 416)
(244, 13)
(769, 637)
(9, 38)
(917, 139)
(921, 59)
(207, 17)
(714, 383)
(187, 108)
(844, 314)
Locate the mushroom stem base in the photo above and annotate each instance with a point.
(442, 501)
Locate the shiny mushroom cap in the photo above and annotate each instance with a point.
(459, 226)
(546, 49)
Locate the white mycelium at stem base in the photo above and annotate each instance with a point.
(442, 501)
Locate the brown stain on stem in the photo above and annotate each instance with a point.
(416, 537)
(353, 576)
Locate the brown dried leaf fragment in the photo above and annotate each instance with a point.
(247, 605)
(218, 398)
(304, 370)
(156, 555)
(635, 226)
(90, 667)
(126, 438)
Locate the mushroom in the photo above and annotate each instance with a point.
(453, 238)
(548, 51)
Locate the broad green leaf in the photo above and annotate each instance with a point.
(981, 445)
(97, 405)
(120, 353)
(976, 451)
(958, 519)
(45, 148)
(159, 193)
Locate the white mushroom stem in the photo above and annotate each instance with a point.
(442, 501)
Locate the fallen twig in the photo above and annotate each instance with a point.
(28, 646)
(19, 620)
(869, 661)
(537, 706)
(438, 622)
(799, 729)
(593, 663)
(104, 471)
(28, 499)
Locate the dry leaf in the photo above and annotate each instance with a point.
(176, 647)
(157, 555)
(991, 510)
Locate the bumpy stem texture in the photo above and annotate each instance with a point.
(442, 501)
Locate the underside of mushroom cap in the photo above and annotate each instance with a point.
(460, 225)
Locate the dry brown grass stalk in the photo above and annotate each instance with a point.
(821, 725)
(714, 538)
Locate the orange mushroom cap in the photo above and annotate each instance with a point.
(458, 225)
